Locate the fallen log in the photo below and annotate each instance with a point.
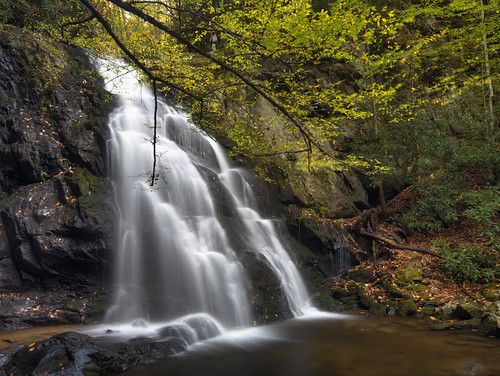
(397, 245)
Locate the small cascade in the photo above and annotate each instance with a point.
(261, 235)
(175, 256)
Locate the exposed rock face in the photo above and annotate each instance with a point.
(56, 219)
(341, 194)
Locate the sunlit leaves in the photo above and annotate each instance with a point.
(352, 70)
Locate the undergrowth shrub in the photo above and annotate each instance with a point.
(469, 263)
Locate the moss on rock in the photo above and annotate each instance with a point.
(325, 302)
(97, 306)
(406, 307)
(395, 292)
(408, 274)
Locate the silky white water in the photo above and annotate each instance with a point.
(175, 256)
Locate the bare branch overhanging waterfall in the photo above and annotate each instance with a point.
(175, 254)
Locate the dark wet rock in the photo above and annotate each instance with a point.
(40, 308)
(330, 246)
(223, 200)
(56, 216)
(51, 233)
(78, 354)
(268, 299)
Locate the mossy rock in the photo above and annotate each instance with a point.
(352, 288)
(406, 307)
(418, 288)
(467, 324)
(377, 309)
(417, 261)
(468, 310)
(448, 309)
(490, 324)
(494, 308)
(457, 325)
(350, 302)
(96, 197)
(325, 302)
(97, 306)
(408, 274)
(427, 311)
(75, 305)
(94, 371)
(366, 301)
(463, 310)
(395, 292)
(86, 181)
(490, 296)
(339, 293)
(361, 275)
(439, 326)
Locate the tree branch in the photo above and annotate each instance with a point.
(397, 245)
(142, 67)
(153, 177)
(306, 135)
(89, 18)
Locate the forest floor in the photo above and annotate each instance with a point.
(386, 260)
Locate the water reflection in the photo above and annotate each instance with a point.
(337, 347)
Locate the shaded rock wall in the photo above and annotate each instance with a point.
(56, 218)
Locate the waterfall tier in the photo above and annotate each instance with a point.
(176, 254)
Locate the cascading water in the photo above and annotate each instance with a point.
(174, 256)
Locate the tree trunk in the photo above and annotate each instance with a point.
(488, 75)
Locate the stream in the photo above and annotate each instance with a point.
(336, 345)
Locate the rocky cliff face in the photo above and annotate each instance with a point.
(56, 217)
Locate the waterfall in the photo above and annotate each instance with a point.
(175, 256)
